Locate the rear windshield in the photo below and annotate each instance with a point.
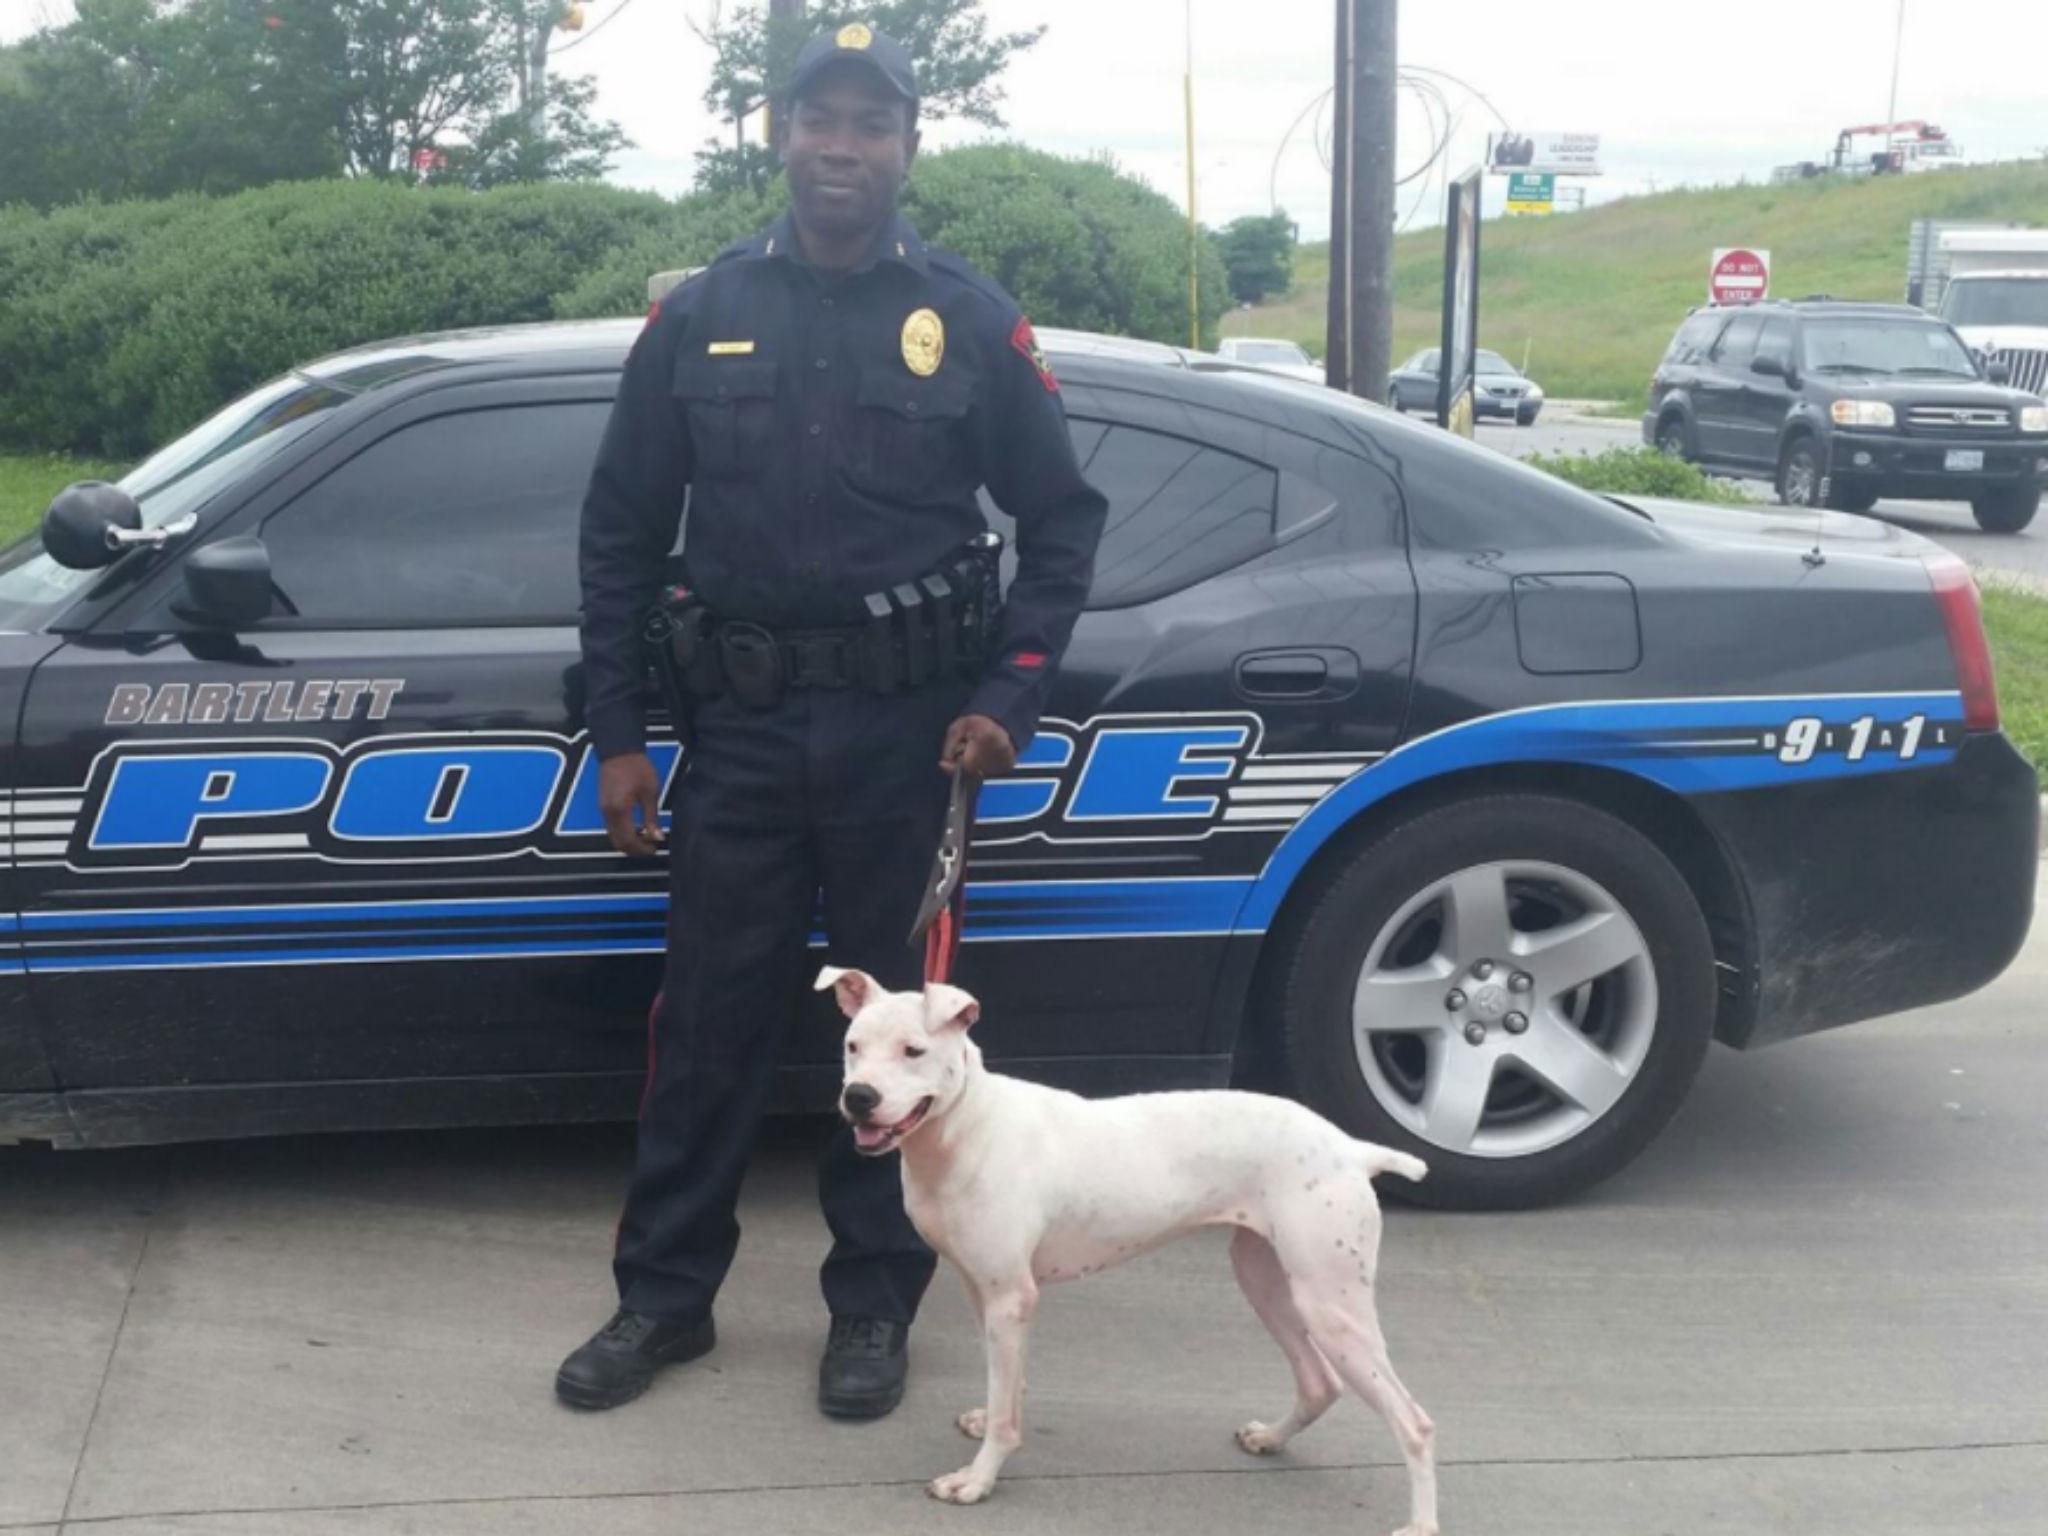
(1884, 346)
(174, 480)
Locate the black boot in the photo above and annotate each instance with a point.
(620, 1359)
(862, 1374)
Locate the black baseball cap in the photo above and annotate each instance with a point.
(859, 43)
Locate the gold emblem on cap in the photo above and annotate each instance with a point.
(855, 34)
(924, 343)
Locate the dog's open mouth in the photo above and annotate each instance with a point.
(874, 1140)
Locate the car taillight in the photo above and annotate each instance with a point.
(1956, 591)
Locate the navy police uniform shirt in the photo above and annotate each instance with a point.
(832, 431)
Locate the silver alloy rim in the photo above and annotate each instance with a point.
(1799, 478)
(1504, 1009)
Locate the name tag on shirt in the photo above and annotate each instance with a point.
(731, 348)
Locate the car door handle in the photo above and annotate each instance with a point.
(1318, 672)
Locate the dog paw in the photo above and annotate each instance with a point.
(973, 1423)
(1258, 1438)
(962, 1487)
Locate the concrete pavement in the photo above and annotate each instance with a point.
(1820, 1303)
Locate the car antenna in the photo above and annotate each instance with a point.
(1813, 557)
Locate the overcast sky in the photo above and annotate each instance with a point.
(1706, 91)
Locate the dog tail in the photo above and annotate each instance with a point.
(1379, 1160)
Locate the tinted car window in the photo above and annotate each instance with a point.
(1695, 337)
(1179, 511)
(1738, 342)
(463, 519)
(176, 479)
(1776, 341)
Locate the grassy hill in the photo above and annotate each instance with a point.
(1595, 296)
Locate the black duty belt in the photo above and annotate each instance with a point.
(940, 627)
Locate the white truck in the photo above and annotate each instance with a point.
(1996, 296)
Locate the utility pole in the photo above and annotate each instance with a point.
(1194, 225)
(1361, 325)
(780, 13)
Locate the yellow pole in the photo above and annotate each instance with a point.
(1194, 228)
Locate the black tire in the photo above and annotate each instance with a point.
(1799, 473)
(1399, 401)
(1673, 440)
(1525, 418)
(1852, 499)
(2007, 511)
(1329, 946)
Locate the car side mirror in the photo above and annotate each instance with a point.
(1998, 371)
(1771, 366)
(78, 520)
(227, 584)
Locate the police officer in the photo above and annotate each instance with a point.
(832, 395)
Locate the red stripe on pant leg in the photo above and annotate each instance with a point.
(646, 1088)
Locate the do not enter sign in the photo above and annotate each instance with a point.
(1739, 275)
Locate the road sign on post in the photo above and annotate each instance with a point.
(1457, 371)
(1739, 275)
(1531, 193)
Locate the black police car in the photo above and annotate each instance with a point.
(1383, 770)
(1847, 403)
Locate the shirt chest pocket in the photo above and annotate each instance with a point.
(909, 438)
(730, 405)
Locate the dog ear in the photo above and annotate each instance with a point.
(947, 1007)
(855, 989)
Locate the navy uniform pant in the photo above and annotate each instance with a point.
(832, 803)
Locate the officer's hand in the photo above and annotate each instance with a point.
(627, 784)
(979, 745)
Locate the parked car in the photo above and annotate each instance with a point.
(1847, 403)
(1500, 388)
(1283, 357)
(1383, 771)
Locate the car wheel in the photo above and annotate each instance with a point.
(1525, 418)
(1671, 437)
(2007, 511)
(1399, 401)
(1517, 989)
(1799, 474)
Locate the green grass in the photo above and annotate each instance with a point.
(1591, 299)
(28, 481)
(1637, 472)
(2017, 623)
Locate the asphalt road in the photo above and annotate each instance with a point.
(1819, 1303)
(1947, 523)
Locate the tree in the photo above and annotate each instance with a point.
(445, 90)
(148, 97)
(1258, 251)
(133, 99)
(958, 61)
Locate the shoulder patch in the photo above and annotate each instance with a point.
(1025, 340)
(653, 312)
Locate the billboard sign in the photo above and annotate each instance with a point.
(1531, 193)
(1548, 153)
(1458, 373)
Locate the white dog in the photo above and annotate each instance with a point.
(1019, 1185)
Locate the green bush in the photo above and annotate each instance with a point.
(123, 324)
(1076, 242)
(1638, 472)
